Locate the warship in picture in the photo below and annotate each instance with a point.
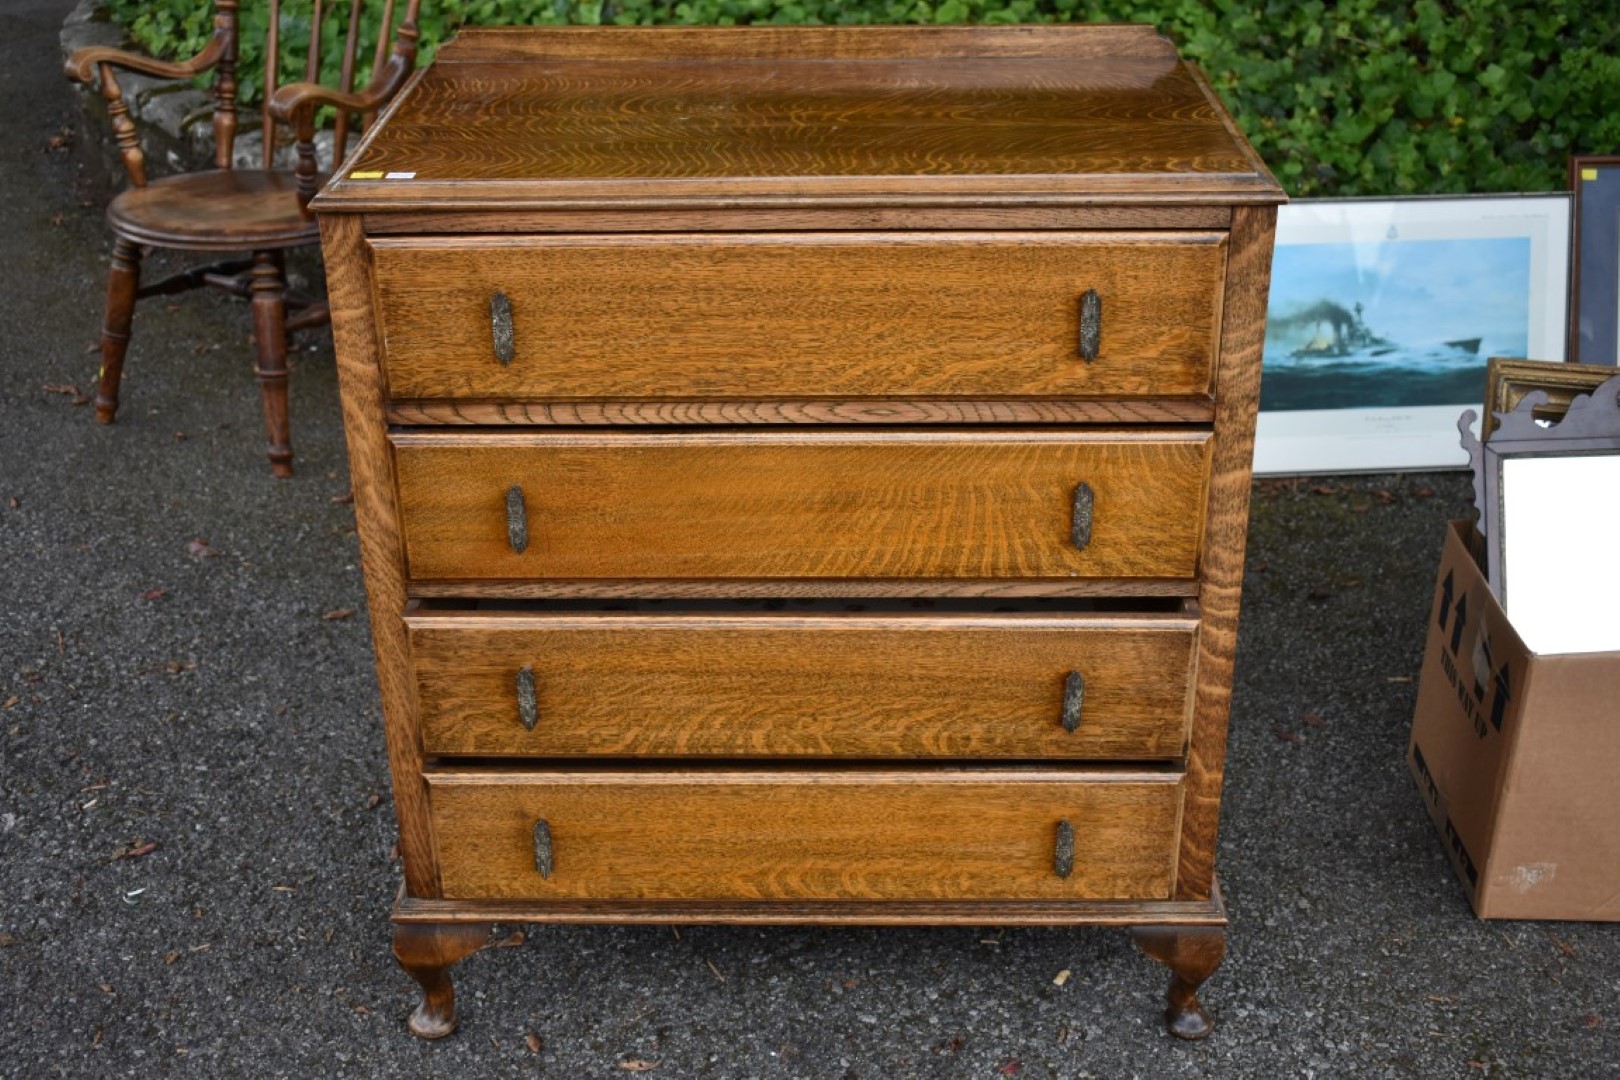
(1321, 354)
(1401, 323)
(1329, 333)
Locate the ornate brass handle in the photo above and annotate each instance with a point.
(542, 847)
(1090, 324)
(500, 321)
(517, 520)
(1080, 519)
(1063, 855)
(527, 701)
(1074, 699)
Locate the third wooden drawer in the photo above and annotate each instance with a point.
(716, 681)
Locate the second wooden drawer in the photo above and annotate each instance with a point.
(707, 684)
(726, 505)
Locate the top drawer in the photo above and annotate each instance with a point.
(799, 315)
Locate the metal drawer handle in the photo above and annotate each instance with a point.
(1090, 324)
(528, 705)
(500, 323)
(1074, 699)
(517, 520)
(1063, 857)
(542, 847)
(1080, 521)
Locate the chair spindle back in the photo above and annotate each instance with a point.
(319, 13)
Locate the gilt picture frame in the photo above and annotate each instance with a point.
(1508, 381)
(1382, 315)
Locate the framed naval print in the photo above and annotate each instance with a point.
(1383, 313)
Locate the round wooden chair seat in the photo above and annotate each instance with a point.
(218, 210)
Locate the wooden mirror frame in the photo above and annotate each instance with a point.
(1591, 426)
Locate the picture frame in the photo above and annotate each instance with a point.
(1381, 318)
(1508, 381)
(1594, 308)
(1543, 485)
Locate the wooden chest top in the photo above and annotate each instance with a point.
(803, 116)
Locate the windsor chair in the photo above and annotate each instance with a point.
(263, 212)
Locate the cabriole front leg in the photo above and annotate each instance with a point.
(427, 951)
(1192, 953)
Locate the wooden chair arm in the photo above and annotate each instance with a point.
(296, 104)
(81, 66)
(298, 99)
(295, 100)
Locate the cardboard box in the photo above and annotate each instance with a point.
(1517, 755)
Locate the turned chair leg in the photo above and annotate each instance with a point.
(426, 951)
(1192, 953)
(268, 289)
(122, 282)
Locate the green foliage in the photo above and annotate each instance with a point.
(1370, 97)
(177, 29)
(1358, 97)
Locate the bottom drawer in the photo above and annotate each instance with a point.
(851, 834)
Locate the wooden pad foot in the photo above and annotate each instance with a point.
(426, 951)
(1192, 953)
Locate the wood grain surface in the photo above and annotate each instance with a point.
(766, 504)
(673, 118)
(805, 835)
(800, 315)
(1012, 216)
(376, 515)
(1153, 589)
(1248, 283)
(1122, 913)
(708, 237)
(826, 685)
(468, 413)
(216, 210)
(487, 45)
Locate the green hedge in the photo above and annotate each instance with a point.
(1361, 97)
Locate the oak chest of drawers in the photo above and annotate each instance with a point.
(802, 476)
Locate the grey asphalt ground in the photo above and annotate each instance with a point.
(204, 700)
